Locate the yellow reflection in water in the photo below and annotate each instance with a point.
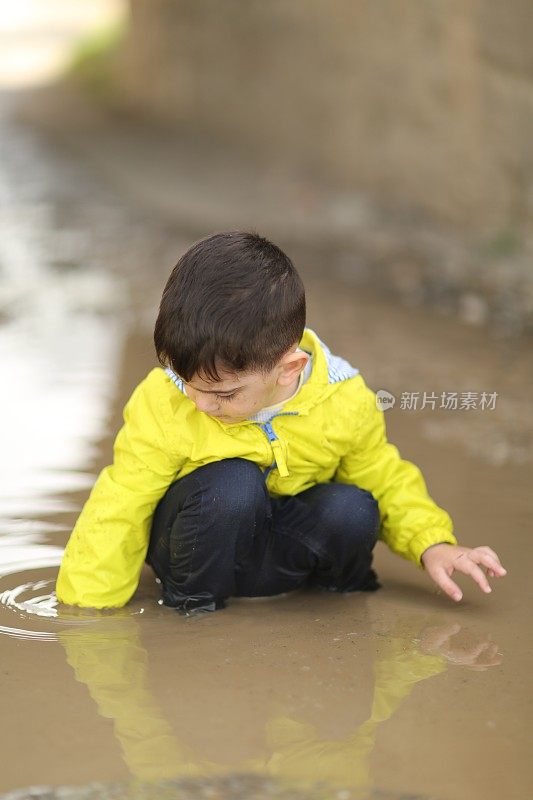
(111, 660)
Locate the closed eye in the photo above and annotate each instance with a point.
(225, 396)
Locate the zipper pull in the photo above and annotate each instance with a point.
(280, 458)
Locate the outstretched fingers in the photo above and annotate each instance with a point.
(470, 562)
(448, 586)
(466, 564)
(490, 560)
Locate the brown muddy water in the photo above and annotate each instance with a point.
(398, 694)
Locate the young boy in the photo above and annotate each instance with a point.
(254, 461)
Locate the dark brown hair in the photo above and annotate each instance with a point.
(233, 301)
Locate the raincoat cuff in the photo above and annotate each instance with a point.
(420, 543)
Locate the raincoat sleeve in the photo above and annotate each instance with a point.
(410, 520)
(104, 556)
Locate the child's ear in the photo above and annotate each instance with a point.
(291, 366)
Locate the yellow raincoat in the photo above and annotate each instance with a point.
(331, 430)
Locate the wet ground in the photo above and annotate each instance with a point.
(398, 694)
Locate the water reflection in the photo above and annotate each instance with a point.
(111, 660)
(61, 338)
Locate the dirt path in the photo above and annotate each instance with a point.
(394, 695)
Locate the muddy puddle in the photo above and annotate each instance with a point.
(398, 694)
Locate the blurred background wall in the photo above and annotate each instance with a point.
(425, 105)
(392, 140)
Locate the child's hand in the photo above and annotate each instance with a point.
(441, 560)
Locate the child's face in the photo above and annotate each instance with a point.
(239, 395)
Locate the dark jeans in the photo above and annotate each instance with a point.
(217, 533)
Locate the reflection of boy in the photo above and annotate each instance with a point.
(111, 660)
(256, 461)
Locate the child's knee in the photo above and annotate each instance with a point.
(353, 514)
(222, 499)
(218, 491)
(233, 486)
